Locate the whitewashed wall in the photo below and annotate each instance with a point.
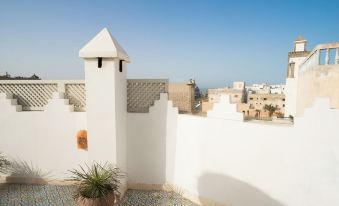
(148, 158)
(292, 88)
(218, 158)
(240, 163)
(44, 139)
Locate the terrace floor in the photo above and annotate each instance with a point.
(57, 195)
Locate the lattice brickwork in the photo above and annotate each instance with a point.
(141, 93)
(75, 92)
(33, 96)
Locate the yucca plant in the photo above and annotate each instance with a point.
(97, 182)
(4, 164)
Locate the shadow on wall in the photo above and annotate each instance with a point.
(21, 171)
(232, 192)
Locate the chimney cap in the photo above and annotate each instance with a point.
(103, 45)
(300, 38)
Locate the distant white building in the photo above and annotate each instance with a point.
(277, 89)
(265, 88)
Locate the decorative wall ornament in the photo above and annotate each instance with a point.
(82, 139)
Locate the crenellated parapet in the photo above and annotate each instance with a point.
(8, 103)
(224, 109)
(33, 95)
(319, 77)
(322, 54)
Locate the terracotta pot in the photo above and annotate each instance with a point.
(104, 201)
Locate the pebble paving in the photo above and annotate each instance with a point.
(61, 195)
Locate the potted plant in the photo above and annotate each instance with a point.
(4, 163)
(97, 185)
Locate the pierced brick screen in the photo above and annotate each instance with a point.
(76, 94)
(141, 93)
(32, 96)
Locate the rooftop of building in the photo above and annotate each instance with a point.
(300, 38)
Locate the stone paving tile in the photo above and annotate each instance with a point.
(39, 195)
(154, 198)
(61, 195)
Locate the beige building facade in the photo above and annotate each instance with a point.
(183, 96)
(236, 93)
(251, 103)
(255, 106)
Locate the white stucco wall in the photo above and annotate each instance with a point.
(225, 110)
(121, 115)
(147, 152)
(241, 163)
(100, 90)
(300, 46)
(232, 162)
(291, 97)
(106, 106)
(45, 139)
(292, 88)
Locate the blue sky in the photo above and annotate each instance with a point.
(215, 42)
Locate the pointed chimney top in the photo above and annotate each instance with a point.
(300, 38)
(103, 45)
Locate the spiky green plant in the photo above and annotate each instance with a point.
(4, 164)
(23, 168)
(96, 181)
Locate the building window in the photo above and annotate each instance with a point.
(251, 98)
(290, 72)
(283, 99)
(236, 95)
(283, 105)
(265, 98)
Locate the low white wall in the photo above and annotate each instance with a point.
(47, 140)
(240, 163)
(148, 158)
(224, 159)
(291, 97)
